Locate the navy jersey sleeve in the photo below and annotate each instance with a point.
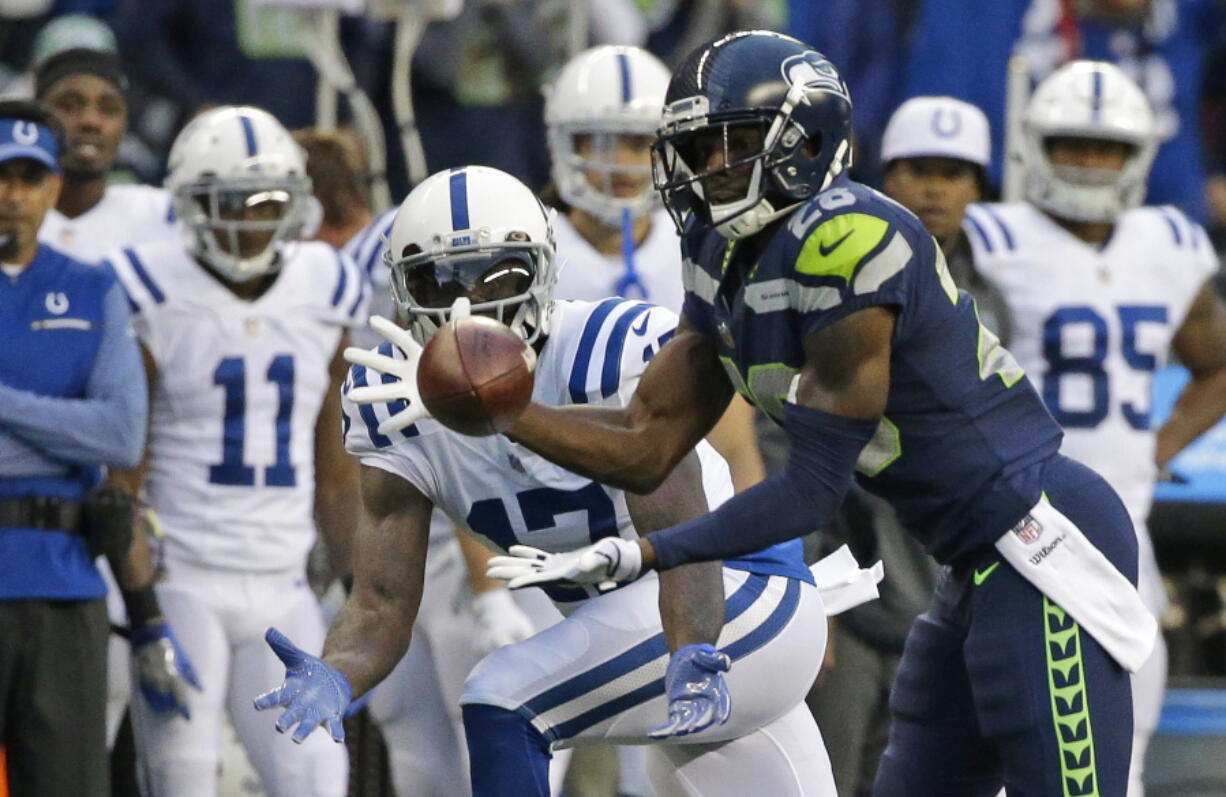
(853, 249)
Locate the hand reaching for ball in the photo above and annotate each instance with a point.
(474, 375)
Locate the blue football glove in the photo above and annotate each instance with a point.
(313, 693)
(697, 692)
(162, 669)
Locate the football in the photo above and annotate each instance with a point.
(475, 376)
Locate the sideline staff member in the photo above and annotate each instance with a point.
(72, 400)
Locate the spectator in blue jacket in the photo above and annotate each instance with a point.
(72, 401)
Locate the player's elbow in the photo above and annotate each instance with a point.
(648, 473)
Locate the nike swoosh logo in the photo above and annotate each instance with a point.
(825, 251)
(982, 575)
(641, 327)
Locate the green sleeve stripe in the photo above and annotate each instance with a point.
(838, 246)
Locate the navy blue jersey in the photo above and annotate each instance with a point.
(964, 433)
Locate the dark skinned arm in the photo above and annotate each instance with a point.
(372, 630)
(847, 374)
(135, 571)
(337, 502)
(1200, 345)
(683, 392)
(692, 596)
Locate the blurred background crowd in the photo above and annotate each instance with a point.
(416, 87)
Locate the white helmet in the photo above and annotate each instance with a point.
(224, 161)
(604, 92)
(451, 232)
(1087, 99)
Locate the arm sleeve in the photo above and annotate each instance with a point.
(107, 426)
(801, 499)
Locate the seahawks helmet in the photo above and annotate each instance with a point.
(754, 124)
(224, 163)
(478, 233)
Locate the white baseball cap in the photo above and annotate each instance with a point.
(937, 127)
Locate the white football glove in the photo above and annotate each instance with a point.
(605, 563)
(405, 371)
(499, 621)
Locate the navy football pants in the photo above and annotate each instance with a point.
(997, 686)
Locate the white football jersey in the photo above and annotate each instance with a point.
(240, 384)
(366, 249)
(504, 494)
(589, 275)
(125, 216)
(1091, 324)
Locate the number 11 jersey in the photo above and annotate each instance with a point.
(240, 385)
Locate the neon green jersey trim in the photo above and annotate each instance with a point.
(837, 246)
(1070, 702)
(982, 575)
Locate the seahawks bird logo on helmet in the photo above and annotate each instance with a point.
(754, 124)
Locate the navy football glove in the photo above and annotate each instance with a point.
(162, 669)
(698, 695)
(313, 693)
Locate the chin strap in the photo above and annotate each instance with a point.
(753, 220)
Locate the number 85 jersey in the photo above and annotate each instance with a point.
(1092, 324)
(240, 385)
(502, 493)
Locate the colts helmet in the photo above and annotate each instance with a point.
(230, 159)
(602, 93)
(474, 232)
(1095, 100)
(796, 104)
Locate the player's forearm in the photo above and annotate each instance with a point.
(476, 559)
(691, 604)
(691, 597)
(367, 638)
(135, 569)
(336, 516)
(801, 499)
(736, 440)
(1201, 405)
(604, 444)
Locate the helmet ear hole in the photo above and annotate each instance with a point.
(812, 147)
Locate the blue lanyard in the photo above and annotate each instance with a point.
(629, 281)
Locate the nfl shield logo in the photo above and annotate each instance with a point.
(1028, 530)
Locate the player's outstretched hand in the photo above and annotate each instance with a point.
(404, 388)
(499, 621)
(313, 693)
(163, 670)
(606, 563)
(698, 695)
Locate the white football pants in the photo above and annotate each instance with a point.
(219, 617)
(598, 676)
